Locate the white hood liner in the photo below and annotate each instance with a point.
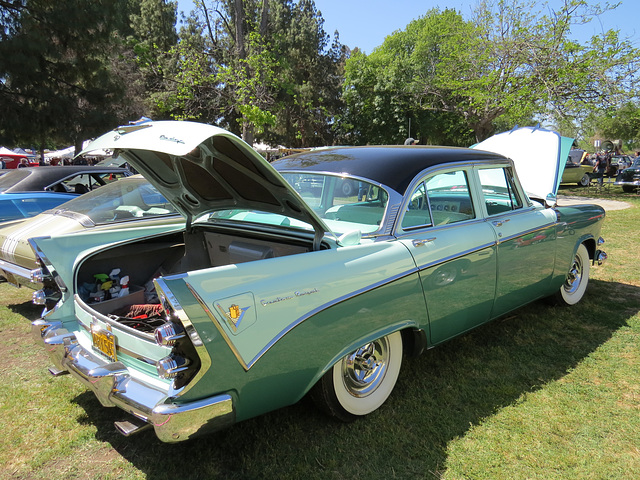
(538, 154)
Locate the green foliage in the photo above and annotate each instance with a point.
(514, 62)
(273, 77)
(59, 77)
(623, 124)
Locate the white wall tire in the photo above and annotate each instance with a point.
(362, 381)
(575, 286)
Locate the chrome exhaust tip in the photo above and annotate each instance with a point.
(130, 427)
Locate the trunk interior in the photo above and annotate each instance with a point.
(147, 259)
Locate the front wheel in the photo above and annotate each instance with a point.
(575, 285)
(360, 382)
(629, 188)
(585, 180)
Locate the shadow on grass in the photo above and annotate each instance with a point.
(437, 398)
(27, 309)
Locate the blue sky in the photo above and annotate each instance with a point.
(366, 23)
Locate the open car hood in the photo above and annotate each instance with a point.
(538, 154)
(201, 168)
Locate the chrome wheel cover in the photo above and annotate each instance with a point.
(574, 278)
(364, 370)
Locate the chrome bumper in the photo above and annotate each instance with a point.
(601, 256)
(115, 386)
(17, 275)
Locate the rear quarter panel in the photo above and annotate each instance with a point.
(348, 296)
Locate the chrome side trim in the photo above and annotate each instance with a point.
(327, 305)
(456, 256)
(295, 323)
(526, 232)
(218, 326)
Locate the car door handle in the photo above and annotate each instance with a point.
(498, 223)
(420, 242)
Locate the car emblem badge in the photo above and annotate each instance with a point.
(234, 315)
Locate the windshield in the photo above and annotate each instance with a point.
(345, 204)
(129, 198)
(11, 178)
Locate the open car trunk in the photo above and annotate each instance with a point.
(176, 253)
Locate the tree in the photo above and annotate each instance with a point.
(152, 36)
(258, 67)
(510, 64)
(308, 78)
(57, 82)
(620, 124)
(401, 82)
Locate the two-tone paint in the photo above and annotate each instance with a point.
(265, 332)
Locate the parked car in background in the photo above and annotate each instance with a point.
(25, 192)
(124, 206)
(575, 171)
(618, 164)
(270, 293)
(629, 178)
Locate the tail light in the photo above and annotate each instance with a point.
(169, 334)
(184, 361)
(52, 288)
(172, 366)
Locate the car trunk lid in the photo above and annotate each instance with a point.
(202, 169)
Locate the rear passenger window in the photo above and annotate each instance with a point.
(441, 200)
(498, 188)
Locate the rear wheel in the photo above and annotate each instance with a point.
(575, 285)
(585, 180)
(628, 188)
(360, 382)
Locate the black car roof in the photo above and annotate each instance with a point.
(34, 179)
(393, 166)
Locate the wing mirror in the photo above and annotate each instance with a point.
(550, 201)
(350, 238)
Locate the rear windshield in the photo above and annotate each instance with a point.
(343, 203)
(128, 198)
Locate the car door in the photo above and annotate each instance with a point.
(454, 250)
(525, 239)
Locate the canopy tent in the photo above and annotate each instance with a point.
(5, 152)
(64, 153)
(10, 159)
(22, 151)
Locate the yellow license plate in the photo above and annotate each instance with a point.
(104, 342)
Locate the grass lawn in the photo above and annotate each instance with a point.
(545, 393)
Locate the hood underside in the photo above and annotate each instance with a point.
(201, 169)
(539, 156)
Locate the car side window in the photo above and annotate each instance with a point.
(499, 190)
(449, 198)
(418, 213)
(441, 200)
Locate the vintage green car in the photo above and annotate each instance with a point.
(129, 202)
(282, 284)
